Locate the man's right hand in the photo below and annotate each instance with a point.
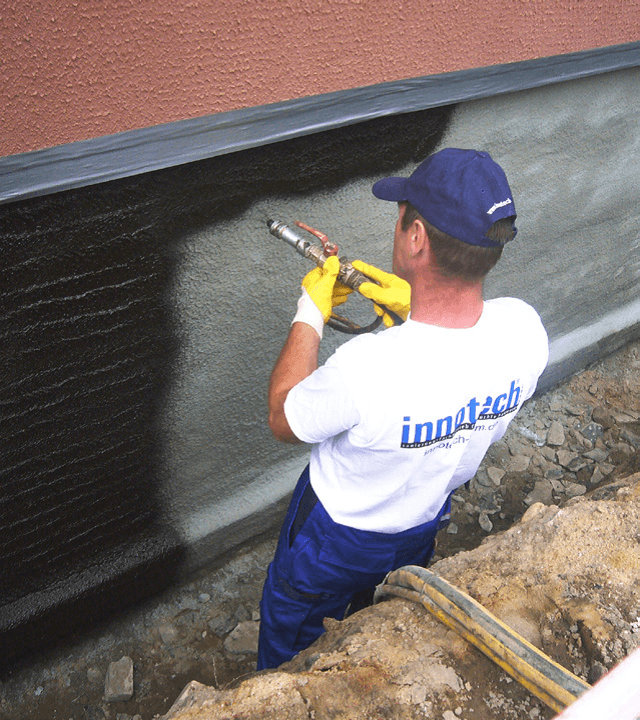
(317, 300)
(320, 282)
(392, 292)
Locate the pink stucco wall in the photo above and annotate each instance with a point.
(73, 70)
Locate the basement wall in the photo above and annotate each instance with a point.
(142, 317)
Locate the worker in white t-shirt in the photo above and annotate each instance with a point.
(399, 419)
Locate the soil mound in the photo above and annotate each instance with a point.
(567, 579)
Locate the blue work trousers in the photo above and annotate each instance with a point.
(320, 568)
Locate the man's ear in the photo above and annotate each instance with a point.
(418, 237)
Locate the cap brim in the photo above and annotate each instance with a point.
(392, 188)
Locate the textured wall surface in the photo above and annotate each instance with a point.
(572, 152)
(86, 347)
(73, 71)
(142, 318)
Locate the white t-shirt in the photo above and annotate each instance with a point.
(401, 418)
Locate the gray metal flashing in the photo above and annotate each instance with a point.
(134, 152)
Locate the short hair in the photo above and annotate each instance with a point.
(458, 259)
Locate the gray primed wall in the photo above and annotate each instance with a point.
(571, 152)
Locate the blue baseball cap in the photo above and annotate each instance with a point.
(460, 192)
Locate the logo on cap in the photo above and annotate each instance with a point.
(491, 210)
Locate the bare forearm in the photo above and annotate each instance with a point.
(297, 360)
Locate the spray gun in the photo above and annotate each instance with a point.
(348, 275)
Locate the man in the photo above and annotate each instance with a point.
(398, 419)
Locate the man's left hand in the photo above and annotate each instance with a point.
(391, 292)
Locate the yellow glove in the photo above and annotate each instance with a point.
(319, 283)
(392, 292)
(317, 300)
(340, 294)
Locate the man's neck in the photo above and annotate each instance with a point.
(447, 303)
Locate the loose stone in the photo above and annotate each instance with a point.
(495, 474)
(118, 684)
(592, 431)
(538, 438)
(565, 458)
(243, 640)
(603, 417)
(556, 405)
(631, 438)
(556, 435)
(597, 455)
(548, 454)
(573, 410)
(220, 624)
(519, 448)
(168, 633)
(485, 522)
(597, 476)
(557, 486)
(574, 489)
(482, 477)
(541, 493)
(577, 464)
(519, 463)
